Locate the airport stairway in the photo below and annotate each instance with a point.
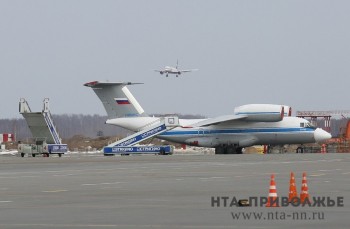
(41, 124)
(148, 131)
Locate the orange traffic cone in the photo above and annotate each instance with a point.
(304, 190)
(292, 189)
(271, 199)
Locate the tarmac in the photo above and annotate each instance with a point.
(148, 191)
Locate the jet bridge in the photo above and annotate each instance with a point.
(43, 129)
(126, 145)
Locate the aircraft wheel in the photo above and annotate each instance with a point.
(219, 150)
(22, 154)
(231, 150)
(33, 155)
(300, 150)
(60, 155)
(239, 150)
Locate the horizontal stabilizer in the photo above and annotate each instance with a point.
(99, 83)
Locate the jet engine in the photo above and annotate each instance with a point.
(262, 112)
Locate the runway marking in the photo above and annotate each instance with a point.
(102, 184)
(254, 175)
(5, 201)
(208, 178)
(110, 183)
(55, 191)
(317, 175)
(346, 173)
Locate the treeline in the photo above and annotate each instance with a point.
(69, 125)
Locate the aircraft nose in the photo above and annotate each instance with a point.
(321, 135)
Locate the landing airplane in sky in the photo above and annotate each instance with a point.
(252, 124)
(174, 70)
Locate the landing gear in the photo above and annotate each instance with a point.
(300, 150)
(219, 150)
(239, 150)
(228, 149)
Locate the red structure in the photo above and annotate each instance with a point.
(326, 115)
(7, 138)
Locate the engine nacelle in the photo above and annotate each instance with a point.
(261, 112)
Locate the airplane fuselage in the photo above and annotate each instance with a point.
(171, 70)
(250, 124)
(243, 133)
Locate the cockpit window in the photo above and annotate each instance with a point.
(307, 125)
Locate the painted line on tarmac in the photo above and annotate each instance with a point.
(317, 175)
(95, 184)
(55, 191)
(5, 201)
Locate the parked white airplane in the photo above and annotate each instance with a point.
(253, 124)
(174, 70)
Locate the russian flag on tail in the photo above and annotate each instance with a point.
(122, 101)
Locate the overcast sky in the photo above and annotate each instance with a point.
(284, 52)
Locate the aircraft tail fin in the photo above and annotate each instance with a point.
(117, 99)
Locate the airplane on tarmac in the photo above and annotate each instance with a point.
(252, 124)
(174, 70)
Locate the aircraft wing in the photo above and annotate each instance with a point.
(219, 120)
(188, 70)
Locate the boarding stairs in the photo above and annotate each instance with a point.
(148, 131)
(41, 124)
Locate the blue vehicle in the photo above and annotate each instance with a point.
(127, 150)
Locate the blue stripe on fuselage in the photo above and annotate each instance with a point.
(236, 131)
